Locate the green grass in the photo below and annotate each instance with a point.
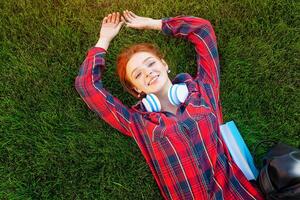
(53, 147)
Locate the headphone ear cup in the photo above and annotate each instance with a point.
(182, 92)
(147, 105)
(172, 95)
(178, 93)
(151, 103)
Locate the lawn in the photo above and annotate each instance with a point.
(53, 147)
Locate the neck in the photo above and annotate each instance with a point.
(162, 95)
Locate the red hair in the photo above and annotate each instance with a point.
(125, 56)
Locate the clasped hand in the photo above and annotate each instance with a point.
(112, 23)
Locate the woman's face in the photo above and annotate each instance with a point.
(146, 72)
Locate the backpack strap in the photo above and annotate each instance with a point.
(265, 183)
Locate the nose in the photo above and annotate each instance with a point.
(148, 74)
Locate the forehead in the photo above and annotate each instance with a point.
(136, 60)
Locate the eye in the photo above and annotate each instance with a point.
(151, 63)
(138, 75)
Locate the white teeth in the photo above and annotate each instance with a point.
(153, 79)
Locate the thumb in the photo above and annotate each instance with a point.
(127, 23)
(121, 22)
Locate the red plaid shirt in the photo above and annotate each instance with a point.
(185, 152)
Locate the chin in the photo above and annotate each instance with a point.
(157, 87)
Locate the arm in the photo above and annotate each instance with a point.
(200, 32)
(89, 85)
(197, 30)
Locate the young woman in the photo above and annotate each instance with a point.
(180, 141)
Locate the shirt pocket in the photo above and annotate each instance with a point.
(200, 114)
(198, 109)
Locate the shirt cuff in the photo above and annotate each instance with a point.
(165, 28)
(95, 50)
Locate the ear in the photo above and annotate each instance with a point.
(137, 90)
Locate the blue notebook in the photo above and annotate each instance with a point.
(239, 150)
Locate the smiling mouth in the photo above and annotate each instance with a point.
(153, 79)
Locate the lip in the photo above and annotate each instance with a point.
(155, 77)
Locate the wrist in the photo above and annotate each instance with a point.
(155, 24)
(103, 43)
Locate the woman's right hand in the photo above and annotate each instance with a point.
(138, 22)
(110, 27)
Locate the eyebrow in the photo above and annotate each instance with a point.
(143, 62)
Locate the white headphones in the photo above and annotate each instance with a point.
(177, 94)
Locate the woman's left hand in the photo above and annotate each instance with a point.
(138, 22)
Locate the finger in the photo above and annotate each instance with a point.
(109, 18)
(132, 14)
(124, 14)
(127, 16)
(122, 19)
(104, 20)
(113, 17)
(121, 22)
(117, 18)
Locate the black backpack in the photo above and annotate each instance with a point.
(279, 178)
